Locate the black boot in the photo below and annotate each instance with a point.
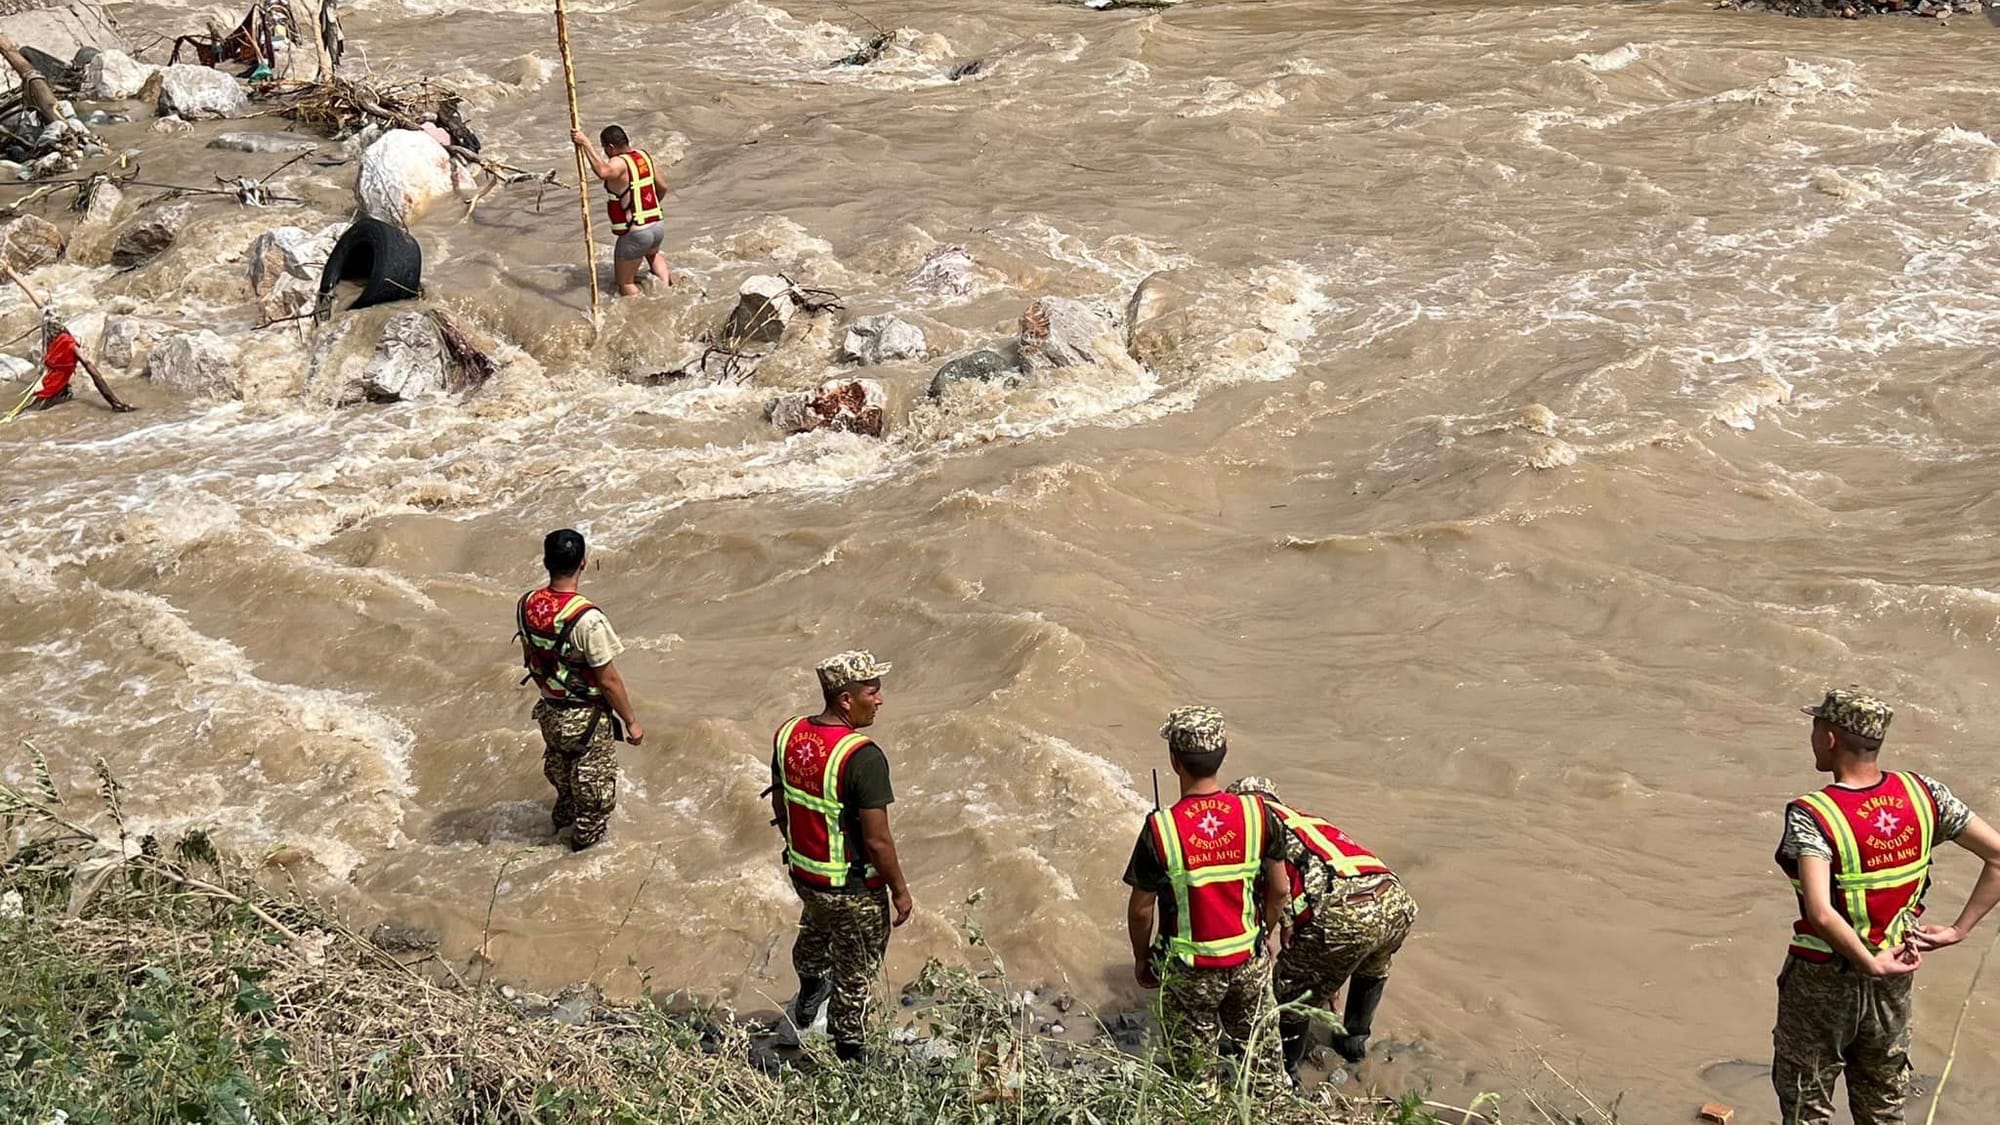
(1296, 1034)
(1364, 995)
(850, 1052)
(801, 1013)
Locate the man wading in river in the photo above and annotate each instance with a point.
(1347, 916)
(569, 647)
(60, 357)
(830, 799)
(638, 215)
(1859, 853)
(1211, 869)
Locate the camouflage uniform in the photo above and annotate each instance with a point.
(1832, 1017)
(1199, 1007)
(842, 939)
(585, 774)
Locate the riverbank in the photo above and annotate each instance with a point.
(156, 980)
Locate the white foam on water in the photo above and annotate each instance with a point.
(1617, 58)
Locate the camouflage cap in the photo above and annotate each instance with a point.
(1854, 712)
(1261, 786)
(836, 672)
(1194, 730)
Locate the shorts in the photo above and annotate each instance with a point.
(640, 243)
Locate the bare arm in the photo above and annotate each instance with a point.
(1816, 875)
(612, 172)
(609, 679)
(102, 387)
(1139, 927)
(1982, 840)
(882, 853)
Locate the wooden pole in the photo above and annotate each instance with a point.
(35, 88)
(103, 388)
(582, 173)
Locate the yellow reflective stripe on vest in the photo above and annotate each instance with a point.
(1852, 901)
(1851, 883)
(1182, 880)
(637, 214)
(836, 867)
(1314, 830)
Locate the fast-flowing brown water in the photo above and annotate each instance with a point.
(1576, 390)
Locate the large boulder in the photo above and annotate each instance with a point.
(764, 305)
(409, 360)
(402, 173)
(879, 339)
(193, 92)
(30, 243)
(855, 406)
(105, 199)
(1061, 332)
(979, 367)
(147, 237)
(59, 27)
(196, 363)
(128, 340)
(944, 272)
(116, 76)
(284, 254)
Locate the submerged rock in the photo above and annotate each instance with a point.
(981, 366)
(197, 363)
(1061, 332)
(28, 242)
(871, 340)
(284, 143)
(764, 305)
(402, 173)
(944, 272)
(194, 92)
(856, 406)
(409, 361)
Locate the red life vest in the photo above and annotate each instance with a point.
(545, 620)
(58, 367)
(639, 203)
(1882, 838)
(1212, 847)
(1339, 851)
(811, 765)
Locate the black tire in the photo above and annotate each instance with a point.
(383, 258)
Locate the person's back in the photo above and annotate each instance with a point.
(636, 207)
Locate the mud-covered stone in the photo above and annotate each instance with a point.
(856, 406)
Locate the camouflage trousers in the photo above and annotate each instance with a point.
(1832, 1018)
(585, 774)
(1199, 1007)
(842, 940)
(1344, 939)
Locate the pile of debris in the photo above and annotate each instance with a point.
(1862, 9)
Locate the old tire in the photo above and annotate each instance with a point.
(382, 257)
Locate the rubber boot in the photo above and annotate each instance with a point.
(1296, 1035)
(1364, 995)
(804, 1011)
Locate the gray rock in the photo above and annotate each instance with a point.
(397, 937)
(284, 143)
(14, 367)
(116, 76)
(127, 340)
(105, 199)
(944, 272)
(197, 363)
(293, 252)
(9, 170)
(1062, 332)
(60, 27)
(878, 339)
(764, 305)
(192, 92)
(28, 242)
(981, 366)
(409, 361)
(147, 237)
(855, 406)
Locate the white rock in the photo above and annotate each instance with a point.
(191, 92)
(14, 367)
(115, 76)
(12, 906)
(878, 339)
(127, 340)
(28, 242)
(199, 363)
(293, 252)
(764, 305)
(944, 272)
(1061, 332)
(856, 406)
(171, 124)
(105, 199)
(401, 174)
(409, 361)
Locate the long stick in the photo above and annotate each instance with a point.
(1970, 990)
(582, 176)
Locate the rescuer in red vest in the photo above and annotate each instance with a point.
(1858, 853)
(1347, 918)
(1211, 872)
(637, 206)
(830, 799)
(569, 648)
